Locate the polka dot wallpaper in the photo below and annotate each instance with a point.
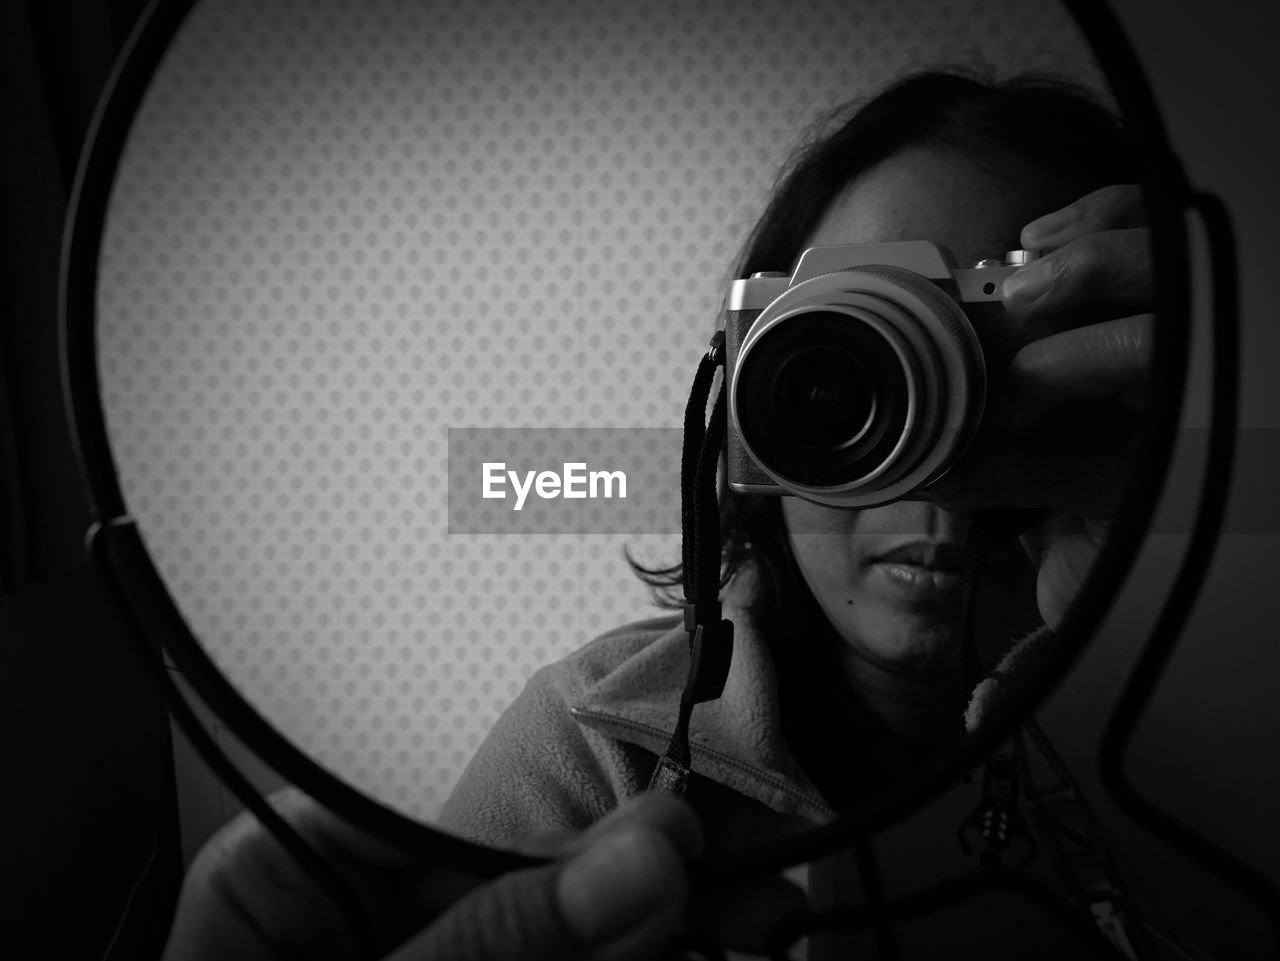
(341, 228)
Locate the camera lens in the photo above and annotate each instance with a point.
(823, 398)
(853, 387)
(828, 395)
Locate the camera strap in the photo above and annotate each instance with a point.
(710, 636)
(1079, 850)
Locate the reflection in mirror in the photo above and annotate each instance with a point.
(340, 231)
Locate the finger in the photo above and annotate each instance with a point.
(1084, 483)
(1059, 527)
(1099, 361)
(652, 812)
(1111, 268)
(1116, 207)
(621, 897)
(1066, 551)
(429, 888)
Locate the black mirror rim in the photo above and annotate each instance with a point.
(116, 546)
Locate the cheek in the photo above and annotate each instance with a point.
(816, 522)
(825, 559)
(825, 543)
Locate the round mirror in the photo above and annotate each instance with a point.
(397, 311)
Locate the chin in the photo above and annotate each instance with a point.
(923, 659)
(931, 660)
(927, 646)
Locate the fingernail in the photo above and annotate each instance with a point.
(1042, 229)
(612, 885)
(1028, 283)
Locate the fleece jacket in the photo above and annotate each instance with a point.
(587, 732)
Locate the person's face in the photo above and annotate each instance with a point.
(888, 577)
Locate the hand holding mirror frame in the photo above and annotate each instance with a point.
(618, 891)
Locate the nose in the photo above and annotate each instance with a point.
(937, 522)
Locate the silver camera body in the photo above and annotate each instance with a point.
(859, 379)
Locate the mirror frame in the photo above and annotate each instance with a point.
(116, 548)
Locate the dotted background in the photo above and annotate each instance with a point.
(340, 228)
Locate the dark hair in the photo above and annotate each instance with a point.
(1046, 121)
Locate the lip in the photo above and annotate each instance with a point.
(940, 556)
(923, 571)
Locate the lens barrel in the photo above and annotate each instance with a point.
(856, 387)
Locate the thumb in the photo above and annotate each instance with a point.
(620, 898)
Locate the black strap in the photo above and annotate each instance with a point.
(710, 637)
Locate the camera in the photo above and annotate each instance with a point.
(860, 379)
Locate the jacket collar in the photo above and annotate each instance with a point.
(735, 739)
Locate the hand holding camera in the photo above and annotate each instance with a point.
(1095, 262)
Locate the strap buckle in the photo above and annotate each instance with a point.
(711, 651)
